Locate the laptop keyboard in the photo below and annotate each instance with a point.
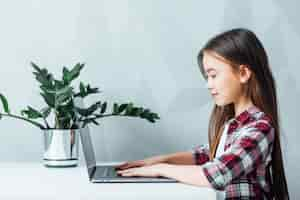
(106, 171)
(108, 174)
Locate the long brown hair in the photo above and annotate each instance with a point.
(242, 47)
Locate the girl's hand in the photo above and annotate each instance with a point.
(155, 170)
(140, 163)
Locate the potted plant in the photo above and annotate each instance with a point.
(59, 95)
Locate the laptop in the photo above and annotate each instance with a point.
(107, 173)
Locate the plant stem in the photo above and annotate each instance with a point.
(47, 124)
(102, 116)
(111, 115)
(107, 115)
(56, 120)
(22, 118)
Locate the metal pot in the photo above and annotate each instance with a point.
(61, 147)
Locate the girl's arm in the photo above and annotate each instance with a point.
(181, 166)
(180, 158)
(249, 150)
(189, 174)
(199, 155)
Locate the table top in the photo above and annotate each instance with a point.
(35, 181)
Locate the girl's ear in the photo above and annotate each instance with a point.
(245, 73)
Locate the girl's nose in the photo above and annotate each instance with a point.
(208, 85)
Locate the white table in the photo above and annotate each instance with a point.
(33, 181)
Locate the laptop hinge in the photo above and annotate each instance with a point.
(93, 172)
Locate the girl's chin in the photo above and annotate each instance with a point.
(221, 103)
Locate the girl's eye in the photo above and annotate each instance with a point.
(210, 76)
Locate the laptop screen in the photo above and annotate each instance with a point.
(86, 141)
(87, 148)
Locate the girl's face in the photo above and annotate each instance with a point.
(223, 82)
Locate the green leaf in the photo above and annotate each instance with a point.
(65, 114)
(150, 120)
(115, 108)
(129, 108)
(86, 90)
(145, 113)
(84, 124)
(59, 89)
(43, 76)
(66, 108)
(122, 107)
(66, 73)
(74, 73)
(94, 122)
(45, 112)
(90, 90)
(63, 120)
(35, 67)
(82, 88)
(69, 76)
(82, 111)
(154, 116)
(103, 107)
(150, 116)
(49, 99)
(4, 103)
(89, 120)
(64, 96)
(140, 111)
(90, 110)
(134, 112)
(32, 113)
(59, 85)
(63, 99)
(46, 89)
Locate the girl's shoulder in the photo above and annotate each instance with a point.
(259, 121)
(253, 117)
(253, 125)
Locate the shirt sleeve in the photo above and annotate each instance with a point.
(250, 149)
(201, 154)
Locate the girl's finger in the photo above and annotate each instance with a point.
(130, 165)
(123, 171)
(123, 166)
(129, 173)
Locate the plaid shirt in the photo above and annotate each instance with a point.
(243, 168)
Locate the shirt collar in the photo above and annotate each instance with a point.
(243, 118)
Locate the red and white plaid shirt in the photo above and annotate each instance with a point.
(242, 170)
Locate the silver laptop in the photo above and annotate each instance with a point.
(107, 173)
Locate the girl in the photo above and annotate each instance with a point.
(244, 159)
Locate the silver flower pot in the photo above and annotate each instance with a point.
(61, 147)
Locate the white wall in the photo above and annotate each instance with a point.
(145, 52)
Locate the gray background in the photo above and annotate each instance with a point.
(145, 52)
